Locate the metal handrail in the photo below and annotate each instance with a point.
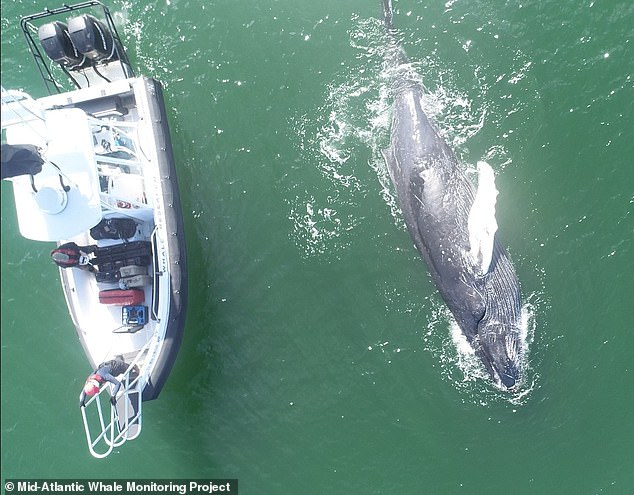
(107, 433)
(122, 437)
(105, 429)
(156, 275)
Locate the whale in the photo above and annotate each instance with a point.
(452, 224)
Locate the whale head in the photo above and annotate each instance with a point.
(500, 351)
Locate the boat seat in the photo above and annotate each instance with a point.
(108, 106)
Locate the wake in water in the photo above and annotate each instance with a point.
(353, 119)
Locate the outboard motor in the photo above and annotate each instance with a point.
(92, 38)
(58, 45)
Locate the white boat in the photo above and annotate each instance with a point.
(92, 164)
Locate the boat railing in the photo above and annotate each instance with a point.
(115, 164)
(23, 119)
(156, 275)
(19, 107)
(110, 426)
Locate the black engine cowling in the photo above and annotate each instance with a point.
(92, 38)
(57, 44)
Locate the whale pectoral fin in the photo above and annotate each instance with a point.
(482, 223)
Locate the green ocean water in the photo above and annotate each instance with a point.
(318, 357)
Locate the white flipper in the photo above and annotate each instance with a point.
(482, 224)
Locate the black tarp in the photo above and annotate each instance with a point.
(21, 159)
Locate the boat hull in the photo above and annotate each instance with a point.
(176, 247)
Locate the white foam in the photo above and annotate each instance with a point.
(316, 227)
(466, 360)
